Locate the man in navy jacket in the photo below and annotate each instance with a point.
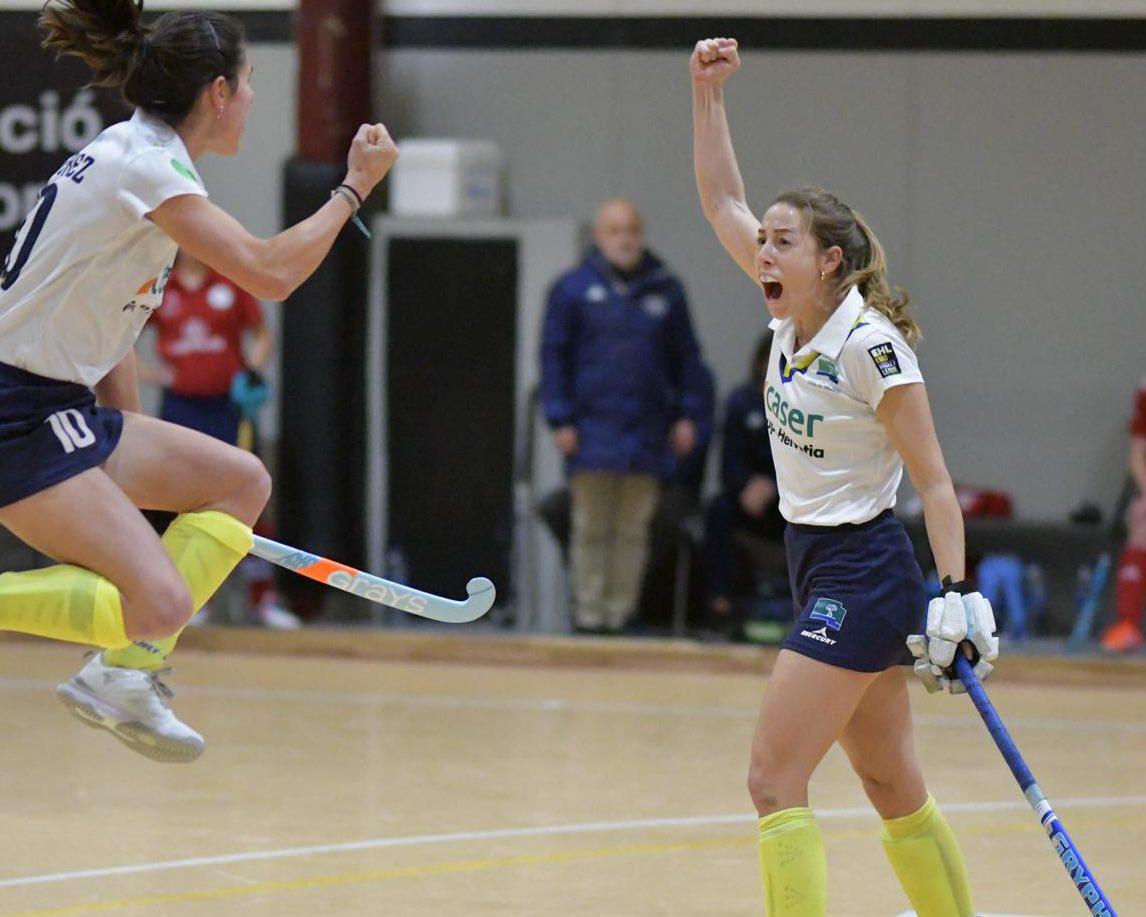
(618, 362)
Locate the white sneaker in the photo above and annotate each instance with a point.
(273, 616)
(132, 706)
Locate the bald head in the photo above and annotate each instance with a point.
(619, 233)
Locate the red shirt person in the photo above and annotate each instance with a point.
(209, 332)
(201, 327)
(1125, 634)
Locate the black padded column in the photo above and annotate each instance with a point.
(321, 479)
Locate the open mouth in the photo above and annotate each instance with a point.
(773, 289)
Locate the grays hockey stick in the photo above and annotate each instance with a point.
(1084, 881)
(479, 590)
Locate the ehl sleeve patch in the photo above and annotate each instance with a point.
(885, 360)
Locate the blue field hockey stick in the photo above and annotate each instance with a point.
(1091, 603)
(1072, 860)
(1088, 609)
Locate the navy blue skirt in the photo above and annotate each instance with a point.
(858, 592)
(49, 431)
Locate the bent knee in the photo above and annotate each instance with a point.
(258, 481)
(157, 607)
(772, 787)
(895, 792)
(248, 487)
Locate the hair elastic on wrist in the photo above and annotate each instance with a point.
(358, 197)
(351, 197)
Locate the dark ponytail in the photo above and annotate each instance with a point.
(105, 34)
(161, 67)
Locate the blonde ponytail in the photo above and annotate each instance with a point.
(877, 291)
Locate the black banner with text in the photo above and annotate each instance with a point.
(46, 114)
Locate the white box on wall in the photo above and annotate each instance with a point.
(447, 178)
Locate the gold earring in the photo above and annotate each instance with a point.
(823, 275)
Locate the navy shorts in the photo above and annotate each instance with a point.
(49, 431)
(216, 416)
(858, 592)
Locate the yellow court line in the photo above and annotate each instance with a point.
(465, 866)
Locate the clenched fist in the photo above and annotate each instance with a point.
(714, 60)
(372, 153)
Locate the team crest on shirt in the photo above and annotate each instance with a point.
(596, 293)
(830, 612)
(828, 369)
(885, 360)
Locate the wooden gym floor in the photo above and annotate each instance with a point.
(337, 786)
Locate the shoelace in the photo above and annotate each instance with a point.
(160, 687)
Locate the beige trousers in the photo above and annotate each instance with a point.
(610, 540)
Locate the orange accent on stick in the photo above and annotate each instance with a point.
(323, 568)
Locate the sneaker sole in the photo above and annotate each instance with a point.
(89, 711)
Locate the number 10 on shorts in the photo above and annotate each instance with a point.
(71, 430)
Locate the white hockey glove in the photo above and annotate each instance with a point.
(959, 614)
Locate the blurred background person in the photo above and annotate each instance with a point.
(673, 574)
(748, 504)
(212, 342)
(619, 381)
(1125, 634)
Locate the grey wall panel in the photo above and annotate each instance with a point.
(1028, 195)
(1002, 186)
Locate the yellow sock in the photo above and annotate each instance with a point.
(925, 856)
(65, 603)
(206, 547)
(793, 865)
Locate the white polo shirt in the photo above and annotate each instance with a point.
(834, 462)
(87, 267)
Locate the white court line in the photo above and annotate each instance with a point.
(380, 843)
(559, 705)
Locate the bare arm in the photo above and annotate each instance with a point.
(259, 347)
(120, 387)
(151, 372)
(274, 268)
(1138, 462)
(718, 180)
(906, 415)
